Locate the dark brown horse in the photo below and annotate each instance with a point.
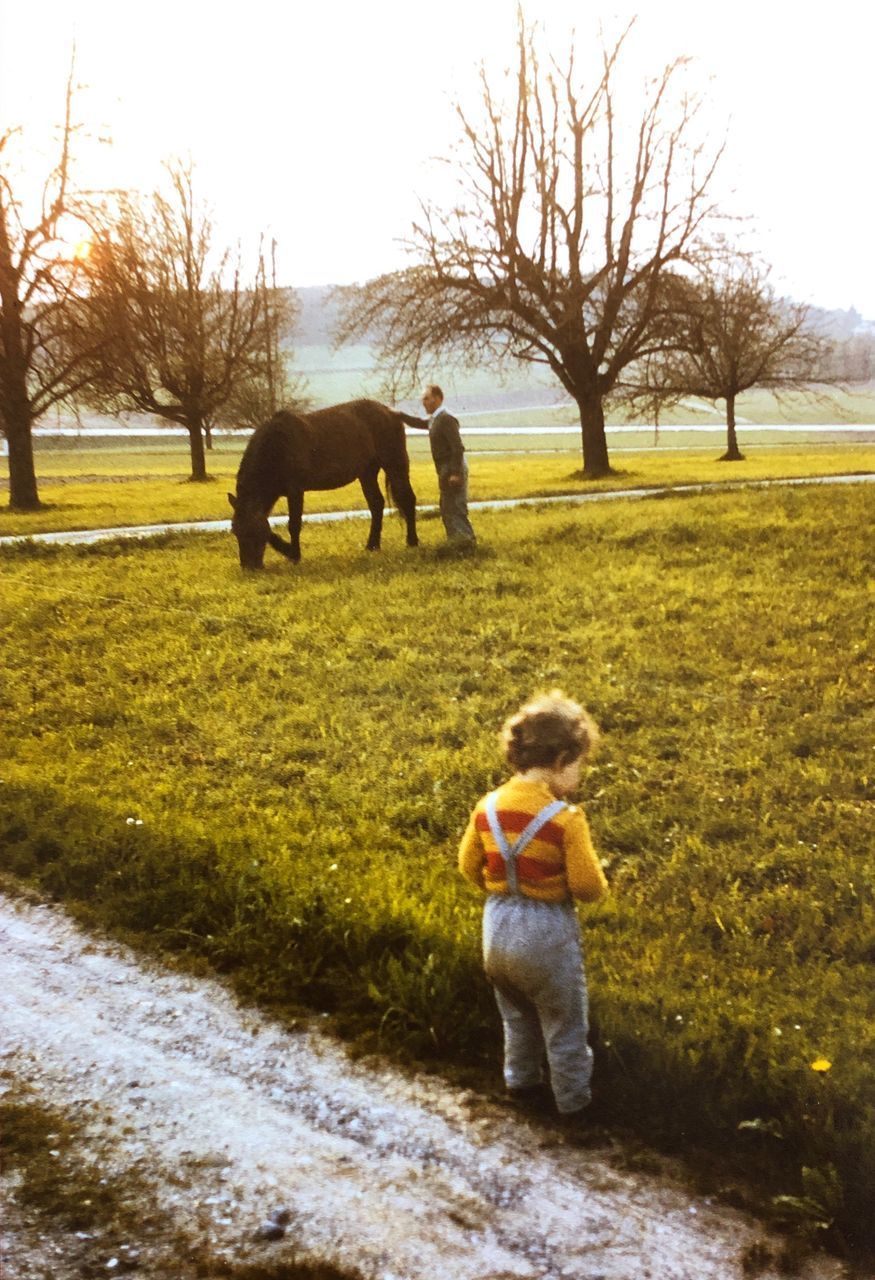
(293, 452)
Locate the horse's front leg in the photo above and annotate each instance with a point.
(376, 502)
(296, 515)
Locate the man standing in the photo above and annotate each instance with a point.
(448, 453)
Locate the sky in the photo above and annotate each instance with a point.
(319, 121)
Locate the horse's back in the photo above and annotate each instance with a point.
(355, 417)
(360, 432)
(324, 449)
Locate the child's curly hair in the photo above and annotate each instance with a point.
(550, 730)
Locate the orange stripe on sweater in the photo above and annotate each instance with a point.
(527, 868)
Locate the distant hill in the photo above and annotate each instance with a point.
(317, 318)
(333, 375)
(319, 314)
(843, 324)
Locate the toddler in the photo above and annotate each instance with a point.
(531, 852)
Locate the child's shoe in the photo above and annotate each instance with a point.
(575, 1126)
(532, 1097)
(574, 1117)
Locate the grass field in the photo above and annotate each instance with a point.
(272, 772)
(754, 408)
(98, 488)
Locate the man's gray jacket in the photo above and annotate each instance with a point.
(447, 449)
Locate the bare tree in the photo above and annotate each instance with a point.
(852, 359)
(179, 332)
(271, 385)
(554, 252)
(40, 308)
(726, 331)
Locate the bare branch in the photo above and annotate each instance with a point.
(725, 332)
(516, 269)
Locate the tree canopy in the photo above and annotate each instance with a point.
(175, 329)
(726, 331)
(41, 304)
(566, 222)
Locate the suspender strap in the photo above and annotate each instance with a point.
(510, 852)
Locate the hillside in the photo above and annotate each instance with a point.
(319, 312)
(337, 374)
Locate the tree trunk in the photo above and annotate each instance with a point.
(17, 409)
(733, 453)
(23, 495)
(596, 464)
(198, 456)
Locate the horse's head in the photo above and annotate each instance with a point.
(252, 531)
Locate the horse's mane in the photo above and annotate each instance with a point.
(256, 463)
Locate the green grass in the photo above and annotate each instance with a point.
(756, 408)
(148, 496)
(272, 772)
(41, 1144)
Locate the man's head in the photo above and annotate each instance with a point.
(432, 398)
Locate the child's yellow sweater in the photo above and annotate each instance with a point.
(558, 862)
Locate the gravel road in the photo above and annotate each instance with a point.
(229, 1117)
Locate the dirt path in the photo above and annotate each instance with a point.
(229, 1117)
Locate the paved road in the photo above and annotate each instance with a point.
(84, 537)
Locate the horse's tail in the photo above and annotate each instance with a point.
(399, 490)
(393, 500)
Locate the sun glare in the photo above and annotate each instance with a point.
(72, 249)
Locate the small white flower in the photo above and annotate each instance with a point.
(333, 867)
(777, 1031)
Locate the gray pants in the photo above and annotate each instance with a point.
(454, 507)
(533, 957)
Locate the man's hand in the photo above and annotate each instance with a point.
(454, 481)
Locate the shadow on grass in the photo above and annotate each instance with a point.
(207, 901)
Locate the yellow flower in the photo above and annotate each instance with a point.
(820, 1064)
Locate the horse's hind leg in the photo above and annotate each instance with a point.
(296, 515)
(376, 502)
